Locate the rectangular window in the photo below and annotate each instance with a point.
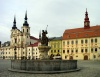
(63, 51)
(72, 51)
(95, 40)
(67, 51)
(76, 41)
(85, 50)
(58, 50)
(76, 51)
(95, 49)
(81, 41)
(86, 41)
(54, 51)
(63, 43)
(67, 42)
(82, 50)
(91, 40)
(72, 42)
(91, 50)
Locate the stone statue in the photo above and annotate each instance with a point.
(44, 39)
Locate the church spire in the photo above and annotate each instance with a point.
(25, 21)
(86, 20)
(40, 36)
(14, 23)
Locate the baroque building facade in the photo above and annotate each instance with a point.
(82, 43)
(22, 45)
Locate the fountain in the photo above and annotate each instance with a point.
(44, 64)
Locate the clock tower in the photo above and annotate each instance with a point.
(86, 21)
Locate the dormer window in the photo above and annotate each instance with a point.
(68, 36)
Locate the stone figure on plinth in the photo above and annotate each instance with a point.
(44, 39)
(44, 48)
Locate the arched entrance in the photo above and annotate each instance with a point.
(3, 57)
(71, 58)
(85, 57)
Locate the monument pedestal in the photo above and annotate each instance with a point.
(44, 52)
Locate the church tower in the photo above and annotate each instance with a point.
(86, 21)
(14, 39)
(13, 32)
(14, 24)
(26, 32)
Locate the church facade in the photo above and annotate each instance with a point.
(22, 45)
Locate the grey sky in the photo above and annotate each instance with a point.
(57, 14)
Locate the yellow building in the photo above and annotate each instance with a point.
(56, 46)
(82, 43)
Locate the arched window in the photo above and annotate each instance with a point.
(27, 30)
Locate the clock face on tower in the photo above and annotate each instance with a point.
(86, 23)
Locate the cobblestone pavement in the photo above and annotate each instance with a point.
(88, 69)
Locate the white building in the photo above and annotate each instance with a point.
(21, 45)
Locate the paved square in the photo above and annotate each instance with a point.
(88, 69)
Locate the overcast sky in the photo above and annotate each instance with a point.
(57, 14)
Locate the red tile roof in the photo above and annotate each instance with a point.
(93, 31)
(33, 45)
(31, 37)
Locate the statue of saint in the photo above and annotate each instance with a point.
(44, 39)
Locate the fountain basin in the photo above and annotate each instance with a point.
(43, 66)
